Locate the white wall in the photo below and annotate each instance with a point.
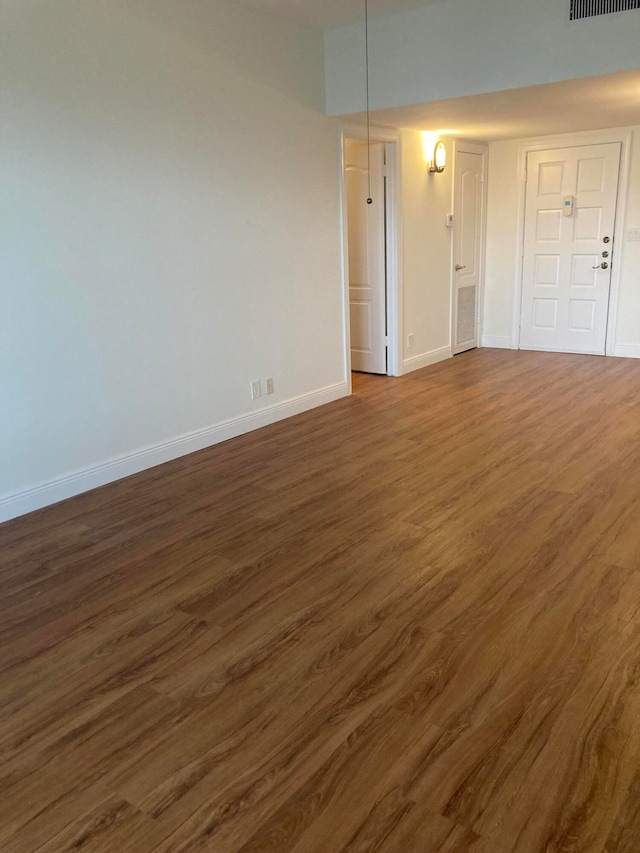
(426, 201)
(503, 248)
(457, 47)
(628, 320)
(170, 232)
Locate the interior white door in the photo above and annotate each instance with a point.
(570, 219)
(367, 256)
(468, 236)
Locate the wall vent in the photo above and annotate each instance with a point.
(466, 314)
(593, 8)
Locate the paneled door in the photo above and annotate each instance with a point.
(367, 256)
(468, 243)
(569, 248)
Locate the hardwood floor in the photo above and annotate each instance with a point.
(408, 621)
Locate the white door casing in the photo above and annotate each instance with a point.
(565, 291)
(366, 252)
(468, 244)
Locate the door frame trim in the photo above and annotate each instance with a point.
(573, 140)
(481, 148)
(393, 138)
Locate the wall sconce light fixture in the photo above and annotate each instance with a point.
(439, 160)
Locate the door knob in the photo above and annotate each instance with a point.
(603, 266)
(460, 267)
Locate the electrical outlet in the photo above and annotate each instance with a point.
(410, 340)
(633, 235)
(256, 391)
(269, 383)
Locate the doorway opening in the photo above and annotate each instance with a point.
(370, 252)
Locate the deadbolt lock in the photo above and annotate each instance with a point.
(606, 239)
(605, 254)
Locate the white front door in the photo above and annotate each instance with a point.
(367, 256)
(568, 248)
(468, 239)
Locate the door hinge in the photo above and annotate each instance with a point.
(384, 171)
(386, 340)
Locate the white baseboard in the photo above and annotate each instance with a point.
(425, 359)
(19, 503)
(497, 342)
(626, 351)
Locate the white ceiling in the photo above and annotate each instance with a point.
(333, 13)
(589, 103)
(612, 100)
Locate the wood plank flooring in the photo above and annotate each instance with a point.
(408, 621)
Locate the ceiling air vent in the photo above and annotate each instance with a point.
(592, 8)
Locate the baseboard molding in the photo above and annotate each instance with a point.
(44, 494)
(425, 359)
(497, 342)
(626, 351)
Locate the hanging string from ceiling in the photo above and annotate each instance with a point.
(366, 48)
